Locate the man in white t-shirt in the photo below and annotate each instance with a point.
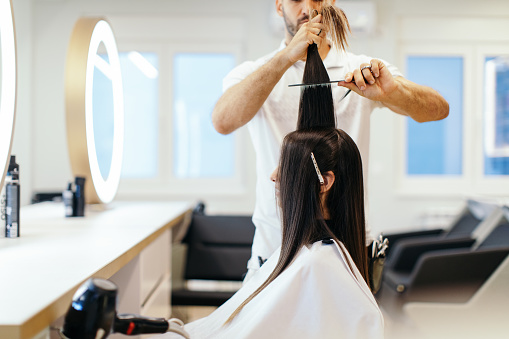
(256, 93)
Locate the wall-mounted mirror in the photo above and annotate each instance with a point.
(95, 108)
(7, 84)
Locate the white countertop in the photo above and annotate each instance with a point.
(40, 270)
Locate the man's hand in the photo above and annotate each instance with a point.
(310, 32)
(239, 104)
(374, 81)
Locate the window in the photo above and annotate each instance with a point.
(161, 154)
(140, 79)
(435, 148)
(171, 84)
(467, 153)
(496, 116)
(199, 151)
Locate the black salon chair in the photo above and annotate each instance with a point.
(451, 275)
(46, 196)
(218, 248)
(462, 226)
(406, 252)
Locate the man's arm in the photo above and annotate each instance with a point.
(421, 103)
(375, 82)
(239, 104)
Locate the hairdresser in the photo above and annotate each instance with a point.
(256, 94)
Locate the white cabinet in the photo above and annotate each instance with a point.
(126, 242)
(145, 283)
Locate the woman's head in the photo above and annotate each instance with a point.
(306, 203)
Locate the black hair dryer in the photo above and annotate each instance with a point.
(92, 315)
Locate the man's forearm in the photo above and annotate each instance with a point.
(421, 103)
(239, 104)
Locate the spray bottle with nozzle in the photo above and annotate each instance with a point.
(12, 200)
(74, 200)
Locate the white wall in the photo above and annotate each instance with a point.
(44, 28)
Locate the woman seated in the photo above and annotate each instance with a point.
(315, 286)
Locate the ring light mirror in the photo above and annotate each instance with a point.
(7, 84)
(94, 108)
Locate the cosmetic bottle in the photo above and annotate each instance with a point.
(79, 197)
(3, 205)
(12, 194)
(67, 197)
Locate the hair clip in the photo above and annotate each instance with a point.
(320, 178)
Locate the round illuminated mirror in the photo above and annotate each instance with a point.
(95, 108)
(7, 84)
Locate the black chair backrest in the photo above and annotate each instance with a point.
(465, 226)
(499, 237)
(218, 247)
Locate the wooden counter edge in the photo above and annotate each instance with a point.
(58, 308)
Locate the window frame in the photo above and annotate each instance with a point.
(472, 181)
(443, 36)
(486, 184)
(232, 185)
(433, 185)
(149, 35)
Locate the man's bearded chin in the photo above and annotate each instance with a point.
(290, 27)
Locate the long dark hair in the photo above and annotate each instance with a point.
(302, 219)
(316, 107)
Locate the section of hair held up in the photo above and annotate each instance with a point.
(336, 24)
(316, 107)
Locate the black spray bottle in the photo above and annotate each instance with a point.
(74, 200)
(68, 197)
(3, 205)
(79, 197)
(12, 195)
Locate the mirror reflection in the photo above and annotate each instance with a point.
(102, 100)
(7, 83)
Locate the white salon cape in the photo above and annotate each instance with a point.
(317, 296)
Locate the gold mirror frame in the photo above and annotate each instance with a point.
(8, 80)
(87, 35)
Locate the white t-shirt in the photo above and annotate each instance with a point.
(278, 117)
(317, 296)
